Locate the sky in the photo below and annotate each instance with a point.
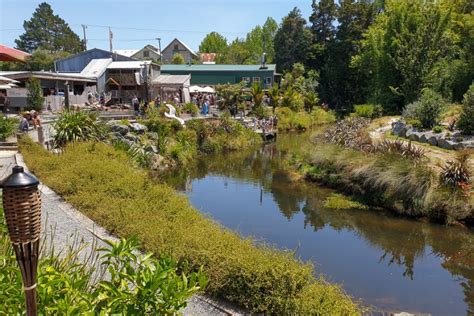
(136, 23)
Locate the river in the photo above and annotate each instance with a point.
(393, 264)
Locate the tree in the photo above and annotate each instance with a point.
(323, 30)
(274, 95)
(257, 94)
(48, 31)
(260, 40)
(213, 43)
(292, 41)
(237, 53)
(178, 59)
(34, 96)
(402, 49)
(466, 120)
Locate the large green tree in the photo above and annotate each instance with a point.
(213, 43)
(323, 30)
(48, 31)
(403, 48)
(260, 40)
(292, 41)
(343, 85)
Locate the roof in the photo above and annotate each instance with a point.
(208, 57)
(96, 67)
(171, 80)
(12, 54)
(220, 67)
(185, 46)
(86, 52)
(49, 75)
(126, 52)
(128, 64)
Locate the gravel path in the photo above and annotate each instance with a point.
(62, 225)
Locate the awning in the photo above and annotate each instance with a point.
(11, 54)
(172, 80)
(195, 89)
(5, 80)
(208, 90)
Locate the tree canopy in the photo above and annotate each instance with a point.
(48, 31)
(213, 43)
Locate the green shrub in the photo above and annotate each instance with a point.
(415, 123)
(369, 111)
(191, 108)
(138, 284)
(8, 126)
(437, 129)
(341, 202)
(127, 203)
(73, 126)
(34, 97)
(466, 120)
(427, 109)
(291, 120)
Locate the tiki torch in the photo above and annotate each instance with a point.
(22, 208)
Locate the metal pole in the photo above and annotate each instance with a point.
(84, 32)
(111, 36)
(159, 47)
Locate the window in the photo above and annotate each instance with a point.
(246, 79)
(146, 54)
(256, 79)
(176, 47)
(268, 80)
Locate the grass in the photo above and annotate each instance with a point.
(289, 120)
(101, 183)
(342, 202)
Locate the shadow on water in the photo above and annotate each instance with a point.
(392, 263)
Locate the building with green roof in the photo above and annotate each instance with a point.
(213, 74)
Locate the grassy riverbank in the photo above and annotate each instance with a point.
(382, 179)
(100, 182)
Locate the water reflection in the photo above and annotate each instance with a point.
(393, 263)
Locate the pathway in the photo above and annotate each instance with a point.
(62, 224)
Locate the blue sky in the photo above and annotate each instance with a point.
(188, 20)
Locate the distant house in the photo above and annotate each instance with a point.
(220, 74)
(149, 52)
(77, 62)
(178, 47)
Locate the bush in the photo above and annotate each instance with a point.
(34, 97)
(138, 284)
(77, 126)
(369, 111)
(455, 173)
(427, 109)
(437, 129)
(191, 108)
(8, 126)
(127, 203)
(466, 120)
(290, 120)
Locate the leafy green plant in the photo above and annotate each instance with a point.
(191, 108)
(34, 96)
(73, 126)
(311, 100)
(8, 126)
(466, 120)
(415, 123)
(369, 111)
(437, 129)
(455, 173)
(427, 109)
(341, 202)
(257, 94)
(69, 284)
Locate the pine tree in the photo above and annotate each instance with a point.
(34, 96)
(48, 31)
(292, 41)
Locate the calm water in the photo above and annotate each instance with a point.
(391, 263)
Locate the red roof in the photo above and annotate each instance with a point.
(11, 54)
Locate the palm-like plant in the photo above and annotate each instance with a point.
(274, 95)
(257, 94)
(77, 126)
(311, 100)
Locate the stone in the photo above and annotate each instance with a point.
(132, 137)
(432, 140)
(468, 144)
(119, 128)
(413, 134)
(399, 128)
(138, 128)
(424, 137)
(447, 144)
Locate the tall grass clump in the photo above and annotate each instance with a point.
(72, 126)
(126, 202)
(8, 126)
(289, 120)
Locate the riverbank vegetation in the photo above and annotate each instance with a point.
(72, 282)
(390, 174)
(101, 183)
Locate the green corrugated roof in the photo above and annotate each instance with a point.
(164, 68)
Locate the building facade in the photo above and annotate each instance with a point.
(221, 74)
(178, 47)
(77, 62)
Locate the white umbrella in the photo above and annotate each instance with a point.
(6, 86)
(194, 89)
(5, 80)
(208, 90)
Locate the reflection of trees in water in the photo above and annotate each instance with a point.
(402, 241)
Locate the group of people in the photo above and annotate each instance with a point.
(203, 101)
(27, 118)
(265, 124)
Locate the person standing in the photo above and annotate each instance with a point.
(136, 105)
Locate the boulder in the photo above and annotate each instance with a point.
(468, 144)
(138, 128)
(119, 128)
(432, 140)
(424, 137)
(448, 144)
(132, 137)
(399, 128)
(413, 134)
